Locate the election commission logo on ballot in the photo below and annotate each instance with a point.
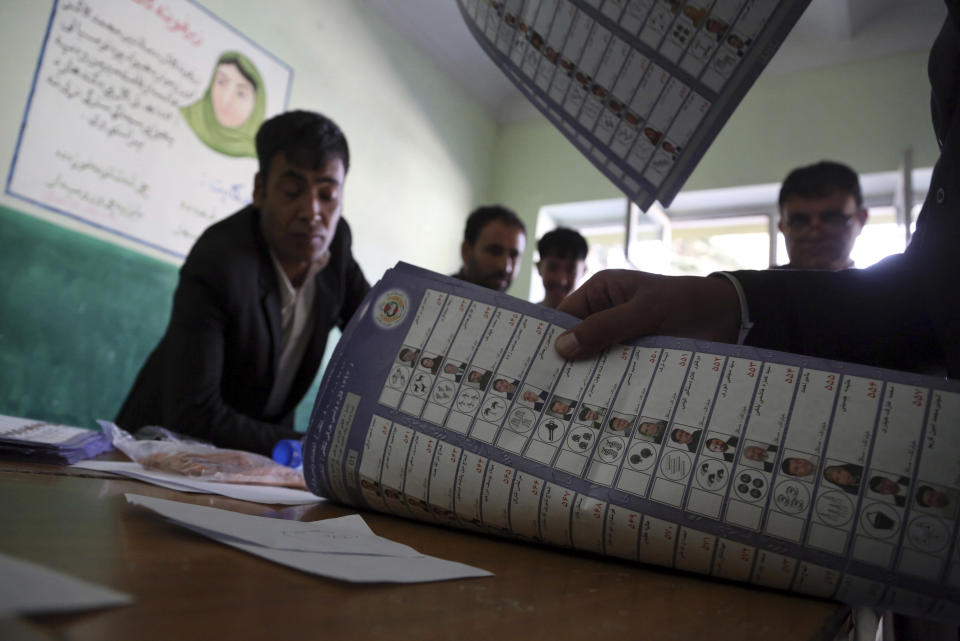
(390, 309)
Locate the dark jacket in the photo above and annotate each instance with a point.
(212, 372)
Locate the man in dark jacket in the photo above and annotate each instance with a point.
(256, 299)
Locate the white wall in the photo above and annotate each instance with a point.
(421, 150)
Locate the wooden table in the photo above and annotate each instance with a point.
(189, 587)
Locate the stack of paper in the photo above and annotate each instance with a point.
(270, 494)
(29, 439)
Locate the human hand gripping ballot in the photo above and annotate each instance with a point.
(619, 305)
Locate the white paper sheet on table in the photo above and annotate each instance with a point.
(345, 535)
(29, 588)
(255, 493)
(343, 548)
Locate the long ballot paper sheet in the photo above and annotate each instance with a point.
(640, 87)
(447, 402)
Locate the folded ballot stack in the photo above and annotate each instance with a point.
(33, 440)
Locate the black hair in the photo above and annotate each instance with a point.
(306, 138)
(235, 61)
(850, 468)
(821, 179)
(920, 492)
(583, 412)
(722, 442)
(562, 242)
(785, 465)
(673, 434)
(875, 481)
(480, 216)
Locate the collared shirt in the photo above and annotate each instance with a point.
(297, 319)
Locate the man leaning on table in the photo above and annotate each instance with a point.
(257, 297)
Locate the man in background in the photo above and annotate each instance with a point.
(493, 242)
(256, 298)
(563, 255)
(821, 215)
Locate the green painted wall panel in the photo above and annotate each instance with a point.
(78, 316)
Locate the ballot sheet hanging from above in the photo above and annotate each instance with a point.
(640, 87)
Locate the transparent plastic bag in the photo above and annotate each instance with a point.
(202, 461)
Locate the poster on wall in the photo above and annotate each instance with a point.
(142, 116)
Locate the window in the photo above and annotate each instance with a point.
(719, 229)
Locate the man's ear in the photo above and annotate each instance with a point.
(862, 216)
(259, 189)
(465, 251)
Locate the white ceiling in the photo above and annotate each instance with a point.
(831, 32)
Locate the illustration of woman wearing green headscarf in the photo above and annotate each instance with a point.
(228, 115)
